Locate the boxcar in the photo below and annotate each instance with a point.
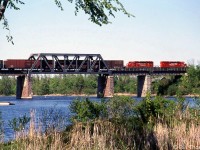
(18, 63)
(114, 64)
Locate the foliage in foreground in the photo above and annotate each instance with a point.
(118, 123)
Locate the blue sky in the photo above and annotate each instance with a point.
(161, 30)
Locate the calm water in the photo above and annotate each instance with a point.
(40, 103)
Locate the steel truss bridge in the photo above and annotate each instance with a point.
(52, 63)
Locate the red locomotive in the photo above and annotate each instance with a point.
(139, 64)
(172, 64)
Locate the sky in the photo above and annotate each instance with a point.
(162, 30)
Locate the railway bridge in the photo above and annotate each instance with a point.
(64, 63)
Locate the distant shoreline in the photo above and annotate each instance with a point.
(115, 94)
(89, 95)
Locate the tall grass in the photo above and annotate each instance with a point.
(180, 134)
(103, 134)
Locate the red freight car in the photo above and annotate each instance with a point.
(139, 64)
(114, 64)
(18, 63)
(172, 64)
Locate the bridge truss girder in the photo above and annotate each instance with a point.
(67, 63)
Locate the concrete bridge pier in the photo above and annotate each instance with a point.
(143, 85)
(24, 87)
(105, 86)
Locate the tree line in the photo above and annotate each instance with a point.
(67, 84)
(179, 85)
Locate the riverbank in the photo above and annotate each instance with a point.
(119, 94)
(88, 95)
(115, 94)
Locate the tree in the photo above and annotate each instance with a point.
(44, 86)
(7, 85)
(90, 84)
(191, 82)
(78, 84)
(54, 84)
(97, 10)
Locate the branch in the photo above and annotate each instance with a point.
(3, 8)
(98, 10)
(6, 26)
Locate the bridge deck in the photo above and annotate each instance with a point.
(119, 71)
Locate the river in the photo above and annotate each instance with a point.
(39, 104)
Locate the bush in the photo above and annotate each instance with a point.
(172, 89)
(86, 110)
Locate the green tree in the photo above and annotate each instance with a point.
(44, 86)
(172, 90)
(163, 85)
(193, 78)
(78, 84)
(36, 85)
(190, 83)
(54, 84)
(85, 109)
(125, 84)
(97, 10)
(90, 84)
(7, 85)
(66, 85)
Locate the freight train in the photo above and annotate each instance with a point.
(112, 64)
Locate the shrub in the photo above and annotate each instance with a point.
(85, 110)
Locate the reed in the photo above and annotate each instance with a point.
(183, 131)
(101, 134)
(35, 139)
